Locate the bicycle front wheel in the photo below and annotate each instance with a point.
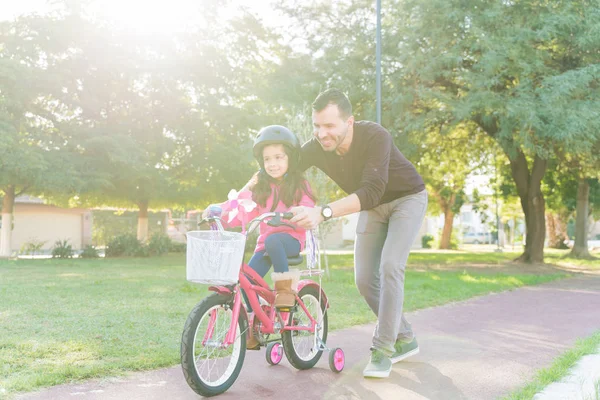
(302, 348)
(210, 367)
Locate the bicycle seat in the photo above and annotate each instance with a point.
(295, 260)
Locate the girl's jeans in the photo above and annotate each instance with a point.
(278, 247)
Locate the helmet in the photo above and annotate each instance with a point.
(276, 134)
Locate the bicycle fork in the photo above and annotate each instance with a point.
(230, 336)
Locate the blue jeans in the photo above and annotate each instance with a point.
(278, 247)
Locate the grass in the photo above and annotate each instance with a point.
(559, 369)
(460, 257)
(560, 257)
(484, 255)
(68, 320)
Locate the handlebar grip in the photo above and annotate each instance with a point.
(287, 215)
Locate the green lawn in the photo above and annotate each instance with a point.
(485, 256)
(559, 257)
(66, 320)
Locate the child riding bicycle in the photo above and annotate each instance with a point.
(277, 187)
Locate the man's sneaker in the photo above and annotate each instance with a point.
(379, 365)
(404, 350)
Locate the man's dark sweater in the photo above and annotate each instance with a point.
(373, 167)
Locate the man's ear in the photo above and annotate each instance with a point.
(350, 121)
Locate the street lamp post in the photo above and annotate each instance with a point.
(378, 62)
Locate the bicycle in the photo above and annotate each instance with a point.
(213, 343)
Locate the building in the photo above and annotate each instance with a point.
(37, 223)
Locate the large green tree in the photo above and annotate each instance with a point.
(155, 121)
(494, 64)
(445, 167)
(35, 158)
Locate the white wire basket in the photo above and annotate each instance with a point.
(214, 257)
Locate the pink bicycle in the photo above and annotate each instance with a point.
(213, 344)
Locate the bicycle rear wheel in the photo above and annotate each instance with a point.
(302, 347)
(210, 367)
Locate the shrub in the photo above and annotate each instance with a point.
(426, 241)
(125, 245)
(159, 244)
(32, 247)
(89, 252)
(177, 247)
(62, 249)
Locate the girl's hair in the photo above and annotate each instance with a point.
(291, 189)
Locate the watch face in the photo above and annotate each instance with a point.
(327, 213)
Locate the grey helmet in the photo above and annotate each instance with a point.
(277, 134)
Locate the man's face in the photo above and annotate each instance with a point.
(330, 128)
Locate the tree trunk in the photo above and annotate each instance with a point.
(556, 231)
(580, 248)
(447, 231)
(7, 212)
(142, 231)
(551, 229)
(561, 228)
(532, 201)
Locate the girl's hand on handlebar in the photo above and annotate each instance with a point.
(213, 210)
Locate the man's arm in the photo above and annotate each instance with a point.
(251, 183)
(372, 186)
(310, 217)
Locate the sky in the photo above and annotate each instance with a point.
(143, 15)
(11, 9)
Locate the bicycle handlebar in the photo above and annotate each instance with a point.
(275, 219)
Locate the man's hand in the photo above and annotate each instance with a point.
(306, 217)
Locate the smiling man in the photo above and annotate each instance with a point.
(361, 157)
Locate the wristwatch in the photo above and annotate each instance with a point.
(326, 212)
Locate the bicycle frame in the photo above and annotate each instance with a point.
(254, 285)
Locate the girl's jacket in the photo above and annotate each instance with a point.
(239, 210)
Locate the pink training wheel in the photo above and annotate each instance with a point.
(337, 360)
(274, 353)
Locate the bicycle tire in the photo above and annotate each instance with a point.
(294, 342)
(195, 362)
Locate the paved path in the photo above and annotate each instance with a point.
(482, 348)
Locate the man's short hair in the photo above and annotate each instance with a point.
(333, 96)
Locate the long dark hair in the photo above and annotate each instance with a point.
(291, 189)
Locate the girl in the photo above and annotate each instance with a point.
(278, 186)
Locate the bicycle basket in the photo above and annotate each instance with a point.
(214, 257)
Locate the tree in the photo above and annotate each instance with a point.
(559, 186)
(155, 121)
(462, 61)
(445, 167)
(34, 156)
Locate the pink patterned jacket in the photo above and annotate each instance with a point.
(239, 212)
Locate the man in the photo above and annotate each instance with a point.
(361, 157)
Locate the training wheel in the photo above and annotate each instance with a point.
(274, 353)
(337, 360)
